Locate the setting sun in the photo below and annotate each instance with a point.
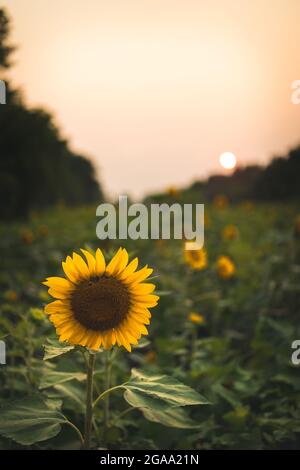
(228, 160)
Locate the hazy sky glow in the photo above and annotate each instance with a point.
(154, 91)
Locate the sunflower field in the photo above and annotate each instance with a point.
(215, 370)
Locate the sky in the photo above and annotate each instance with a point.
(153, 91)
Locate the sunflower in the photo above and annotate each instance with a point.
(197, 259)
(230, 232)
(225, 267)
(196, 318)
(99, 305)
(220, 201)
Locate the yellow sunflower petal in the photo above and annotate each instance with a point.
(106, 339)
(59, 283)
(69, 269)
(138, 276)
(143, 289)
(57, 294)
(122, 341)
(132, 266)
(91, 261)
(129, 337)
(100, 262)
(144, 299)
(81, 266)
(140, 309)
(140, 317)
(113, 264)
(137, 327)
(56, 306)
(123, 262)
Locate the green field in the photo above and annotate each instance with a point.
(237, 356)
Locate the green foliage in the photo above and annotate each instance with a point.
(31, 420)
(54, 348)
(239, 358)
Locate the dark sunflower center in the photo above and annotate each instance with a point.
(100, 304)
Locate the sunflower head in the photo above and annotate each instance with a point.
(101, 305)
(225, 267)
(197, 259)
(230, 232)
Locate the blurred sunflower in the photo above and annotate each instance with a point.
(248, 206)
(173, 191)
(43, 231)
(220, 201)
(230, 232)
(27, 236)
(11, 296)
(150, 357)
(225, 267)
(207, 221)
(196, 318)
(101, 305)
(197, 259)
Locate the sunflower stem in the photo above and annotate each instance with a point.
(108, 366)
(100, 397)
(89, 402)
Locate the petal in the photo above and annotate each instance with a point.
(123, 262)
(69, 269)
(144, 298)
(58, 295)
(142, 289)
(140, 318)
(113, 264)
(129, 337)
(81, 266)
(122, 341)
(129, 269)
(106, 339)
(100, 262)
(56, 306)
(91, 261)
(139, 276)
(58, 283)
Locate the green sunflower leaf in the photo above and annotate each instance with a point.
(54, 348)
(30, 420)
(163, 388)
(51, 378)
(158, 411)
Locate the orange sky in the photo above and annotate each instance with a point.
(155, 90)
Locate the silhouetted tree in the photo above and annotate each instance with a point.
(37, 167)
(5, 48)
(280, 179)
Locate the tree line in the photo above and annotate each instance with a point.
(37, 167)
